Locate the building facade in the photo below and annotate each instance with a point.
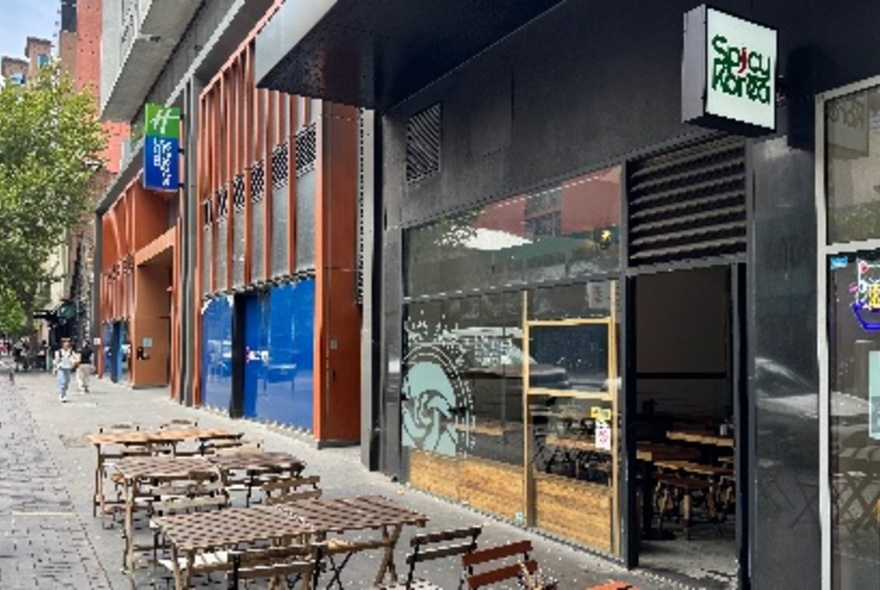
(239, 289)
(277, 188)
(581, 314)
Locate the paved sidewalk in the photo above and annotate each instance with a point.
(50, 467)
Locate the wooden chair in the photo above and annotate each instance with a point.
(200, 493)
(276, 564)
(292, 489)
(423, 549)
(108, 459)
(232, 443)
(514, 560)
(179, 423)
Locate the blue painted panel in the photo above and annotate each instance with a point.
(116, 351)
(217, 353)
(289, 378)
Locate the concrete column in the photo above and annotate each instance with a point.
(372, 301)
(188, 242)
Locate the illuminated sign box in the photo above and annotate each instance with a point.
(728, 79)
(161, 148)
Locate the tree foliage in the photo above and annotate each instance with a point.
(50, 146)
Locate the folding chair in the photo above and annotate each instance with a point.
(276, 564)
(423, 549)
(514, 561)
(292, 489)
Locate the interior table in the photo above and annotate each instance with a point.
(703, 437)
(135, 471)
(362, 513)
(102, 441)
(190, 535)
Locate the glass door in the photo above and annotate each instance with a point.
(854, 383)
(570, 407)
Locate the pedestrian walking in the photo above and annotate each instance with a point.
(65, 359)
(84, 367)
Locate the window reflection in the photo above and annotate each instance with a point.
(853, 166)
(569, 230)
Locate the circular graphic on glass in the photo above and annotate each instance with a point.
(437, 401)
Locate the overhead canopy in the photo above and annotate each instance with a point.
(375, 53)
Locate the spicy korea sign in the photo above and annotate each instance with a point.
(728, 72)
(162, 148)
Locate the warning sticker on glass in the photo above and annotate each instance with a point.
(603, 436)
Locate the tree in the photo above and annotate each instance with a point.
(50, 146)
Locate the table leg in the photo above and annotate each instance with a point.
(129, 525)
(175, 568)
(387, 565)
(98, 497)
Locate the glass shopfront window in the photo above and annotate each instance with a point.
(852, 147)
(509, 396)
(570, 230)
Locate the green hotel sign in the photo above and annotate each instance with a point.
(162, 121)
(161, 148)
(728, 72)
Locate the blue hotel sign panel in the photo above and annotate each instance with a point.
(728, 73)
(162, 148)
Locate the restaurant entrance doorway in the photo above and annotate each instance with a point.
(686, 374)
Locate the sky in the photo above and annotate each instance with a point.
(20, 19)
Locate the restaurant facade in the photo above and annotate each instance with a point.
(650, 338)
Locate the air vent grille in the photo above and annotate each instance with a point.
(306, 150)
(423, 144)
(238, 194)
(222, 203)
(280, 173)
(688, 203)
(258, 182)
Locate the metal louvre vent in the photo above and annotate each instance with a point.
(688, 203)
(222, 203)
(238, 196)
(280, 173)
(423, 144)
(306, 150)
(258, 182)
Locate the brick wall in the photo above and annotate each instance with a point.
(89, 23)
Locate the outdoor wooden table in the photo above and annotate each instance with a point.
(144, 438)
(136, 470)
(201, 532)
(341, 515)
(703, 437)
(256, 464)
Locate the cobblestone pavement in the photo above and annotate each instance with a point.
(43, 543)
(49, 538)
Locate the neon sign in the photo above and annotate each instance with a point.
(866, 289)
